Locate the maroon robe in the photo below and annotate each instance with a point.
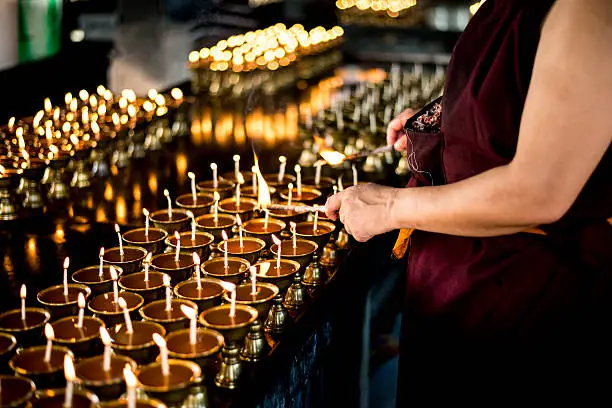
(494, 319)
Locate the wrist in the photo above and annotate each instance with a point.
(394, 210)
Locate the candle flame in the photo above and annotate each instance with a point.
(81, 301)
(213, 166)
(177, 236)
(69, 373)
(130, 378)
(230, 287)
(276, 240)
(297, 168)
(166, 280)
(263, 191)
(224, 235)
(49, 333)
(240, 178)
(23, 292)
(152, 93)
(216, 196)
(84, 95)
(145, 212)
(117, 230)
(106, 339)
(238, 220)
(190, 312)
(176, 93)
(196, 258)
(122, 303)
(166, 193)
(282, 159)
(189, 214)
(332, 157)
(2, 169)
(148, 257)
(292, 225)
(66, 262)
(113, 273)
(191, 175)
(159, 340)
(264, 268)
(236, 157)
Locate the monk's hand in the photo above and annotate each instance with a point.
(365, 210)
(395, 130)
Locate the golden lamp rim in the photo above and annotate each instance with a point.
(212, 351)
(80, 340)
(23, 372)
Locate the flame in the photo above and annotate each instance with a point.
(292, 225)
(152, 93)
(263, 191)
(2, 169)
(238, 220)
(130, 378)
(190, 214)
(122, 303)
(332, 157)
(190, 312)
(196, 258)
(84, 95)
(23, 292)
(101, 252)
(213, 166)
(148, 257)
(49, 333)
(276, 241)
(264, 268)
(166, 193)
(106, 339)
(177, 236)
(240, 178)
(69, 368)
(166, 280)
(159, 340)
(113, 273)
(145, 212)
(191, 175)
(224, 235)
(216, 196)
(176, 93)
(230, 287)
(117, 230)
(236, 157)
(297, 168)
(81, 301)
(66, 262)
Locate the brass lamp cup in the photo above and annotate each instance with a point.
(234, 333)
(154, 246)
(172, 394)
(84, 346)
(303, 259)
(313, 191)
(325, 186)
(206, 359)
(203, 250)
(179, 221)
(203, 203)
(143, 353)
(232, 276)
(320, 239)
(287, 216)
(250, 192)
(89, 276)
(264, 236)
(151, 293)
(177, 274)
(203, 302)
(170, 324)
(115, 317)
(262, 305)
(250, 256)
(30, 335)
(272, 180)
(140, 403)
(128, 266)
(225, 188)
(61, 310)
(246, 213)
(52, 377)
(231, 176)
(28, 392)
(107, 389)
(8, 352)
(226, 223)
(55, 398)
(282, 282)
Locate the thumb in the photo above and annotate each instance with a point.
(333, 205)
(401, 144)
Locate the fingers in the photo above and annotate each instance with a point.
(401, 144)
(393, 129)
(333, 205)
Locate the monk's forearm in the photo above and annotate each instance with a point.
(496, 202)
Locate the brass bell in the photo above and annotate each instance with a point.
(315, 274)
(403, 168)
(255, 344)
(296, 295)
(278, 317)
(231, 367)
(329, 258)
(343, 242)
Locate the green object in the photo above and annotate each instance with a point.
(40, 29)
